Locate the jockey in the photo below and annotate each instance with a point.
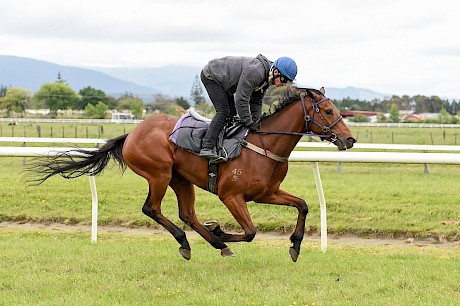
(236, 85)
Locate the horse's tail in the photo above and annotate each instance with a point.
(76, 162)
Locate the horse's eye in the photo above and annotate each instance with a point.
(329, 112)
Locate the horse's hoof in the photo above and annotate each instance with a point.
(211, 225)
(187, 254)
(227, 252)
(294, 254)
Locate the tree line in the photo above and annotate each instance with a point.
(94, 102)
(418, 104)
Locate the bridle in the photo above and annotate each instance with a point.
(311, 120)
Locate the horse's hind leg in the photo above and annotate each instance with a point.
(152, 208)
(185, 193)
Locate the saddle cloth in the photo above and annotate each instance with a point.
(189, 131)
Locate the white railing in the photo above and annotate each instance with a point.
(304, 156)
(403, 125)
(89, 121)
(382, 146)
(136, 121)
(53, 140)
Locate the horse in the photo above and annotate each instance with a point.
(255, 175)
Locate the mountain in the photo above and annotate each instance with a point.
(174, 81)
(31, 74)
(178, 80)
(354, 93)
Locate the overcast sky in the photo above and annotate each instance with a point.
(390, 46)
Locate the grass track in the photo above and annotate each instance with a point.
(42, 267)
(366, 200)
(49, 268)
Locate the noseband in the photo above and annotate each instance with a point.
(310, 120)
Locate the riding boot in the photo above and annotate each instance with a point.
(209, 140)
(210, 153)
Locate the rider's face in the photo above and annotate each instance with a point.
(277, 78)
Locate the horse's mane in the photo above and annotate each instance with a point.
(291, 95)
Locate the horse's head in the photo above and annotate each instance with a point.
(324, 119)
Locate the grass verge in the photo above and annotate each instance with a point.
(49, 268)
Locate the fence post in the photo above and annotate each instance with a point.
(94, 208)
(322, 204)
(425, 166)
(23, 158)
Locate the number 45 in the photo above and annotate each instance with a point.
(237, 171)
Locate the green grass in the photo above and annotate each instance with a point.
(64, 130)
(421, 136)
(43, 267)
(364, 199)
(52, 268)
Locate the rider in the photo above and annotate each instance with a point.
(236, 85)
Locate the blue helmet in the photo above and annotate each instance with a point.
(286, 66)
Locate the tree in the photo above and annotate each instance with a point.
(181, 101)
(444, 116)
(394, 113)
(96, 111)
(196, 94)
(205, 109)
(164, 104)
(60, 79)
(56, 96)
(3, 90)
(15, 100)
(134, 104)
(90, 95)
(137, 108)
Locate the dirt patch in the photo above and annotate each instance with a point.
(339, 239)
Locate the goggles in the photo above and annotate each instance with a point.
(284, 79)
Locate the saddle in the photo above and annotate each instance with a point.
(189, 131)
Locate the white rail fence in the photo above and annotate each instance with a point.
(109, 121)
(304, 156)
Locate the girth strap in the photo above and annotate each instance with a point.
(263, 152)
(213, 172)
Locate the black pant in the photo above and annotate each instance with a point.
(225, 108)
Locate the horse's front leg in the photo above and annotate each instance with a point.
(281, 197)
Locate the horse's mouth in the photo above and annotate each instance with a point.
(345, 143)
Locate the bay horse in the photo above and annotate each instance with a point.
(255, 175)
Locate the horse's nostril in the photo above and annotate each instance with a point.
(351, 140)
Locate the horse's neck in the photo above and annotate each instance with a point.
(290, 119)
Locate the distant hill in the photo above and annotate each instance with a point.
(354, 93)
(178, 80)
(31, 74)
(174, 81)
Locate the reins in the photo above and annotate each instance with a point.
(309, 121)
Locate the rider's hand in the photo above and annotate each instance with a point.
(254, 127)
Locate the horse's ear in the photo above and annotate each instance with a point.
(323, 91)
(310, 94)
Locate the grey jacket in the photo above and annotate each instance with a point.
(244, 77)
